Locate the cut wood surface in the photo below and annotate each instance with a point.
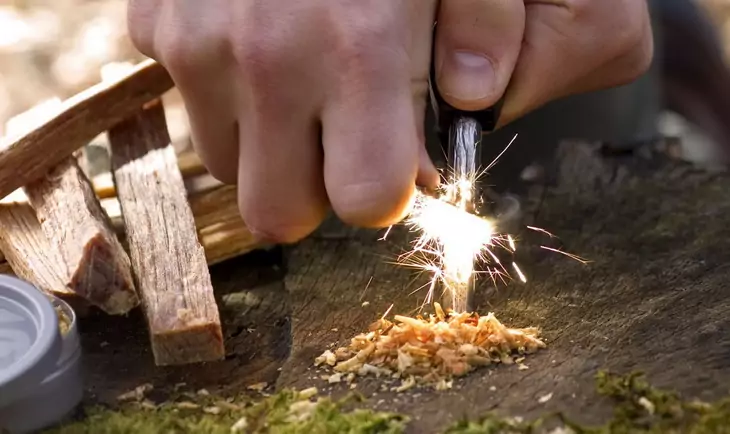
(169, 262)
(76, 225)
(80, 119)
(29, 252)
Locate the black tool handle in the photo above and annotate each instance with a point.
(447, 114)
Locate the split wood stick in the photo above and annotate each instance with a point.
(29, 252)
(221, 230)
(76, 225)
(220, 227)
(169, 262)
(190, 166)
(80, 119)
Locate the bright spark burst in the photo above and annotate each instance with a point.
(452, 238)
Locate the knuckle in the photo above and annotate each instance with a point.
(623, 31)
(259, 55)
(222, 171)
(140, 27)
(360, 44)
(276, 221)
(174, 53)
(371, 204)
(635, 43)
(640, 58)
(268, 230)
(182, 48)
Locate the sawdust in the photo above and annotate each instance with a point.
(429, 351)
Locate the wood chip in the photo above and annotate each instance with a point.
(137, 394)
(545, 398)
(169, 262)
(240, 426)
(75, 224)
(258, 387)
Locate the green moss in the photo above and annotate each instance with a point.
(639, 408)
(642, 409)
(287, 412)
(493, 424)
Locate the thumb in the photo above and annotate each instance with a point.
(477, 45)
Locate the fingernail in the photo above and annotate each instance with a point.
(467, 76)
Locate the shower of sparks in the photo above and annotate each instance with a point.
(452, 239)
(570, 255)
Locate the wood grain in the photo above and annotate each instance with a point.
(75, 225)
(169, 262)
(221, 230)
(189, 163)
(28, 251)
(80, 119)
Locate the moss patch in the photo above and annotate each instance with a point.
(639, 408)
(287, 412)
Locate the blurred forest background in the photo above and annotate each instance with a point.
(56, 48)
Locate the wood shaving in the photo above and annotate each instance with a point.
(240, 426)
(138, 394)
(187, 405)
(64, 322)
(258, 387)
(545, 398)
(212, 410)
(431, 350)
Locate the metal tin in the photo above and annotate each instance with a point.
(40, 368)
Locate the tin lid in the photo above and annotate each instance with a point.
(30, 340)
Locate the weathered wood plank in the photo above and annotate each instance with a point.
(169, 262)
(76, 226)
(79, 120)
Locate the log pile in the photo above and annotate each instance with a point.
(142, 234)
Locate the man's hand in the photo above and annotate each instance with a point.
(315, 104)
(538, 50)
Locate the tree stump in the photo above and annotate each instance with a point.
(653, 298)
